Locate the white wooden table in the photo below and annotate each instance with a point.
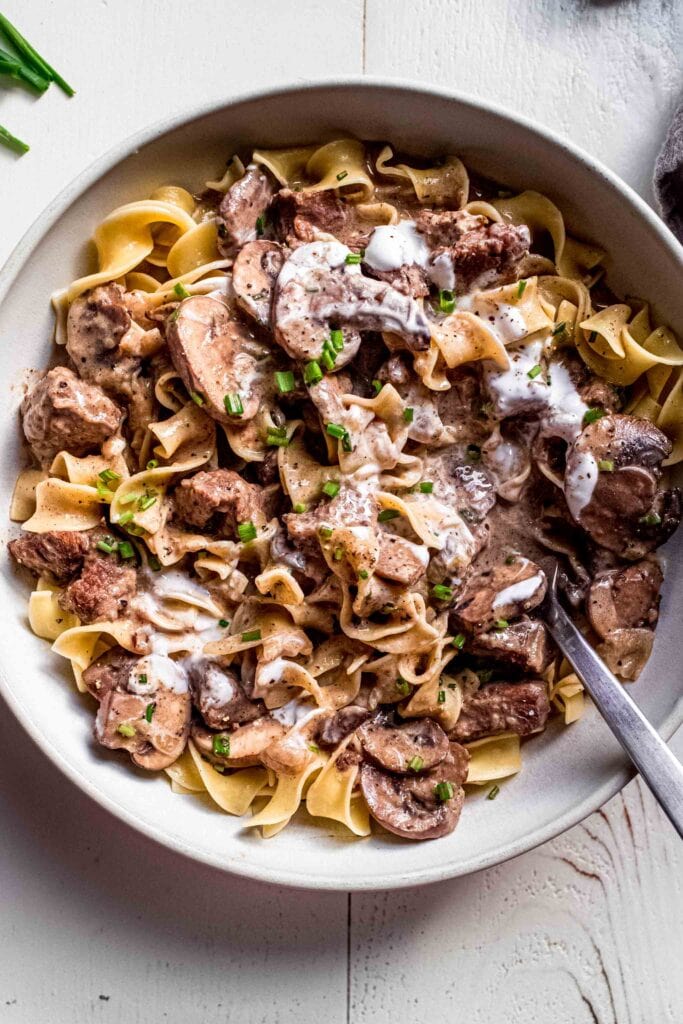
(98, 924)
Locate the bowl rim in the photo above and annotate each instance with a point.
(20, 254)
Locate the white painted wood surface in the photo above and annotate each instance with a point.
(98, 924)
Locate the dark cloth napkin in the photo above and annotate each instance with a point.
(668, 176)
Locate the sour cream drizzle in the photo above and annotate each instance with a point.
(518, 592)
(393, 246)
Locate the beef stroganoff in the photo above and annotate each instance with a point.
(316, 437)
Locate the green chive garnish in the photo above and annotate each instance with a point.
(146, 502)
(277, 437)
(534, 372)
(377, 386)
(337, 340)
(592, 415)
(260, 225)
(459, 641)
(223, 623)
(326, 532)
(102, 545)
(181, 291)
(153, 464)
(233, 404)
(196, 398)
(363, 574)
(443, 791)
(126, 729)
(559, 328)
(403, 686)
(12, 142)
(128, 499)
(493, 793)
(605, 465)
(149, 711)
(520, 289)
(334, 430)
(246, 532)
(408, 414)
(416, 764)
(353, 257)
(651, 519)
(221, 746)
(251, 635)
(312, 373)
(31, 56)
(126, 549)
(342, 175)
(426, 486)
(127, 517)
(501, 623)
(331, 488)
(328, 359)
(285, 381)
(300, 507)
(338, 554)
(446, 301)
(388, 514)
(441, 592)
(474, 453)
(108, 475)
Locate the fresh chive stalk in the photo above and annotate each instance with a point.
(12, 142)
(31, 56)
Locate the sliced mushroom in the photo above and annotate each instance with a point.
(611, 485)
(215, 355)
(424, 806)
(110, 671)
(341, 724)
(254, 274)
(219, 697)
(626, 651)
(317, 290)
(246, 744)
(243, 204)
(522, 708)
(625, 598)
(97, 323)
(395, 747)
(153, 740)
(495, 595)
(401, 560)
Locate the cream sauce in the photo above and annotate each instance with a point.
(579, 481)
(155, 671)
(517, 593)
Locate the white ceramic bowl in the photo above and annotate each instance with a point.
(567, 772)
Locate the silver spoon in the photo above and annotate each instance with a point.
(659, 768)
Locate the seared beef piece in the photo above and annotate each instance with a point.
(62, 412)
(304, 558)
(411, 280)
(626, 512)
(395, 746)
(212, 351)
(299, 216)
(267, 472)
(110, 671)
(60, 552)
(525, 644)
(219, 499)
(503, 707)
(460, 484)
(423, 805)
(97, 322)
(625, 598)
(400, 560)
(351, 507)
(498, 594)
(340, 725)
(254, 274)
(243, 204)
(246, 743)
(365, 366)
(483, 253)
(219, 697)
(102, 591)
(153, 744)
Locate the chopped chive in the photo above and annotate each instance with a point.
(300, 507)
(441, 697)
(108, 475)
(153, 464)
(128, 499)
(181, 291)
(342, 175)
(107, 548)
(127, 517)
(426, 486)
(220, 745)
(10, 66)
(346, 443)
(403, 686)
(312, 373)
(126, 729)
(223, 623)
(459, 641)
(326, 531)
(313, 747)
(328, 359)
(534, 372)
(353, 257)
(520, 289)
(146, 502)
(443, 791)
(387, 514)
(592, 415)
(251, 635)
(260, 225)
(31, 56)
(331, 488)
(605, 465)
(196, 398)
(126, 549)
(337, 340)
(334, 430)
(377, 386)
(277, 438)
(142, 679)
(501, 623)
(103, 491)
(246, 532)
(441, 592)
(285, 381)
(338, 554)
(12, 142)
(446, 301)
(363, 574)
(149, 711)
(559, 328)
(408, 414)
(651, 519)
(474, 453)
(493, 793)
(416, 764)
(233, 404)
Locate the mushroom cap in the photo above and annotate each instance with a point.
(154, 744)
(254, 274)
(394, 746)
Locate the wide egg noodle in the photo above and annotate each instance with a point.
(445, 185)
(233, 792)
(331, 795)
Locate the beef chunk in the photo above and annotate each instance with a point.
(63, 412)
(102, 591)
(401, 560)
(97, 322)
(219, 697)
(299, 216)
(349, 508)
(525, 645)
(498, 594)
(243, 204)
(625, 598)
(485, 254)
(110, 671)
(503, 707)
(59, 552)
(341, 724)
(218, 500)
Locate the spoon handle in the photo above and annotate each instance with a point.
(658, 766)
